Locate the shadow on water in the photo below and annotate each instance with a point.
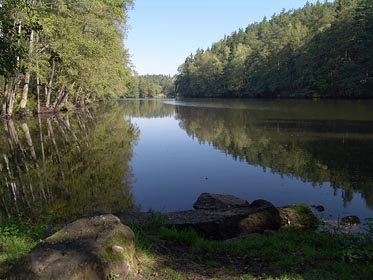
(56, 168)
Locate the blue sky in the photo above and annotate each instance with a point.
(163, 33)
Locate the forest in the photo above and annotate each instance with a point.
(58, 51)
(149, 86)
(320, 50)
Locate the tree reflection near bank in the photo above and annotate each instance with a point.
(64, 166)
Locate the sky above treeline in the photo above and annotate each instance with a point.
(163, 33)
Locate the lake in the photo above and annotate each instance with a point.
(161, 154)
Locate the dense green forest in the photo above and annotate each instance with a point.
(321, 50)
(56, 51)
(145, 86)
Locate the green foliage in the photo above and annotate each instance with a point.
(321, 50)
(149, 86)
(112, 276)
(65, 49)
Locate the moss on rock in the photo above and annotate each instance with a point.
(81, 250)
(298, 216)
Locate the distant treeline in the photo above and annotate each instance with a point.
(321, 50)
(52, 52)
(147, 86)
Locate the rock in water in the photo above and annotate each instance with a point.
(319, 208)
(219, 216)
(350, 221)
(209, 201)
(81, 250)
(263, 216)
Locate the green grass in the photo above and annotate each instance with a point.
(166, 253)
(17, 238)
(286, 255)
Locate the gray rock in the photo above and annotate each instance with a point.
(263, 216)
(211, 224)
(319, 208)
(209, 201)
(81, 250)
(350, 221)
(224, 216)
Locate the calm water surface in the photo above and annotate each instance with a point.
(314, 152)
(161, 154)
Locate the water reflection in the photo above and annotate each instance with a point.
(60, 167)
(148, 108)
(318, 142)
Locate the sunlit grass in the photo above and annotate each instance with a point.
(17, 239)
(166, 253)
(285, 255)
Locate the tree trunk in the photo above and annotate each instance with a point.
(12, 96)
(60, 92)
(37, 94)
(50, 81)
(25, 93)
(27, 78)
(5, 97)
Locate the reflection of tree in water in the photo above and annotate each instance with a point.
(315, 151)
(147, 108)
(60, 167)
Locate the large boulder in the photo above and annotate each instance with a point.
(224, 216)
(93, 248)
(263, 216)
(209, 201)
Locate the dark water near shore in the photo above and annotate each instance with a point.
(161, 155)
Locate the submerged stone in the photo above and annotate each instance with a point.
(319, 208)
(209, 201)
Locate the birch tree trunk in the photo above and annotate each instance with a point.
(27, 77)
(5, 97)
(50, 81)
(12, 96)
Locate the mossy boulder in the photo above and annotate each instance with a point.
(89, 248)
(298, 216)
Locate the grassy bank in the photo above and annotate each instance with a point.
(18, 238)
(165, 253)
(169, 254)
